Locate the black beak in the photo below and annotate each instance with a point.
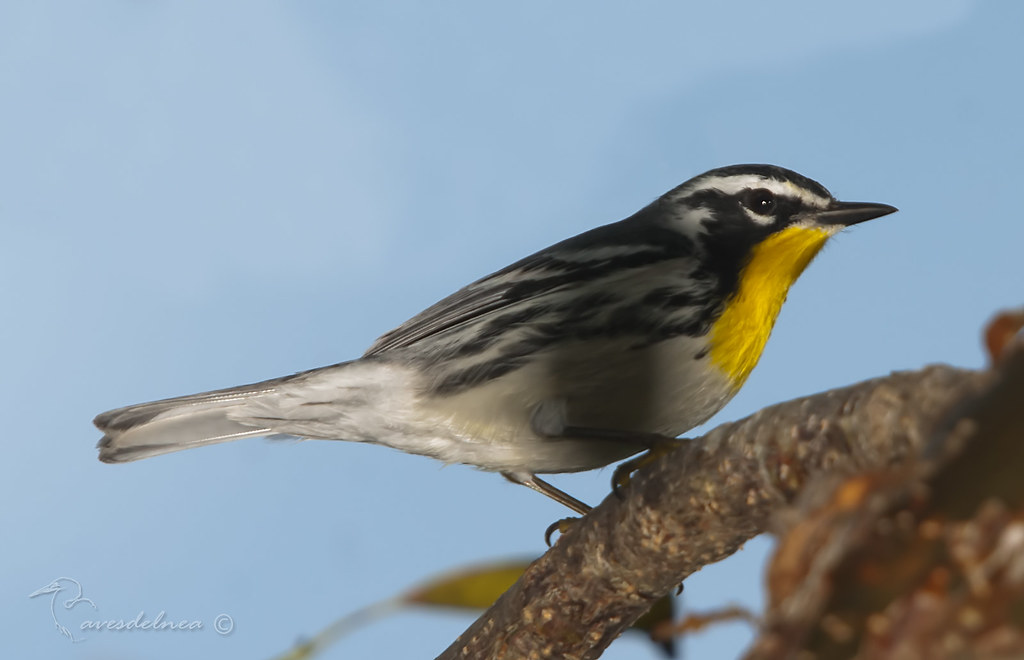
(851, 213)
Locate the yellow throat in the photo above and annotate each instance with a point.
(740, 333)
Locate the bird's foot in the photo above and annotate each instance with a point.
(623, 474)
(561, 526)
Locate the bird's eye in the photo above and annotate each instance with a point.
(760, 201)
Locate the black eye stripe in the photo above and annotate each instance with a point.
(759, 200)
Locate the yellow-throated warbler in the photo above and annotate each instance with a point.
(568, 360)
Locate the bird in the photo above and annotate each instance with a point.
(577, 356)
(57, 587)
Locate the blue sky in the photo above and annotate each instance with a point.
(195, 196)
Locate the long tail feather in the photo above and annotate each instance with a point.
(161, 427)
(354, 401)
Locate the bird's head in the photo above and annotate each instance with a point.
(58, 585)
(51, 588)
(742, 214)
(732, 210)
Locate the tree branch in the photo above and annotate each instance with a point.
(922, 560)
(699, 504)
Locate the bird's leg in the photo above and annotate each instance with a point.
(657, 445)
(548, 420)
(536, 483)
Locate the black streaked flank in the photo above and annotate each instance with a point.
(647, 321)
(493, 330)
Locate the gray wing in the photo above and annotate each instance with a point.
(630, 243)
(486, 296)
